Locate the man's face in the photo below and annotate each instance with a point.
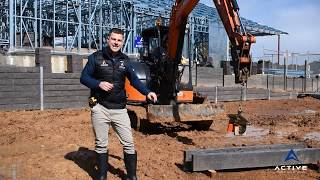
(115, 42)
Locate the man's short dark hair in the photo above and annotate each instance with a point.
(116, 30)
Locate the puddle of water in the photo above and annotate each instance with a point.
(313, 136)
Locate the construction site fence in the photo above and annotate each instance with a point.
(211, 77)
(28, 88)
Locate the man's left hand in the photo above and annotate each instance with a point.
(153, 97)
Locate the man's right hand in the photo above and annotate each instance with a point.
(105, 86)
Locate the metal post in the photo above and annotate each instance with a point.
(21, 32)
(272, 81)
(243, 93)
(41, 88)
(223, 79)
(227, 59)
(262, 66)
(192, 39)
(267, 81)
(318, 84)
(296, 63)
(216, 97)
(196, 67)
(132, 31)
(111, 15)
(35, 7)
(40, 25)
(15, 22)
(100, 27)
(54, 23)
(278, 50)
(121, 14)
(89, 26)
(251, 65)
(80, 26)
(263, 57)
(189, 56)
(11, 24)
(269, 94)
(302, 84)
(305, 76)
(272, 64)
(285, 72)
(292, 64)
(293, 83)
(67, 31)
(134, 19)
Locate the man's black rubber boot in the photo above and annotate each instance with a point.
(130, 161)
(102, 163)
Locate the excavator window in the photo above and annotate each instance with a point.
(149, 45)
(153, 44)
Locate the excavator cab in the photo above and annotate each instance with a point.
(153, 55)
(154, 43)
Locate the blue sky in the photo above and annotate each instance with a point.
(300, 18)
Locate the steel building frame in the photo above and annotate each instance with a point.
(66, 25)
(80, 26)
(70, 25)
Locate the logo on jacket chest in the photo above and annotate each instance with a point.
(104, 64)
(122, 65)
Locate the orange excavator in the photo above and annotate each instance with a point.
(158, 67)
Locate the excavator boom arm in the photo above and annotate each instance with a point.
(228, 12)
(177, 26)
(241, 41)
(178, 20)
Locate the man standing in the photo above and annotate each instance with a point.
(105, 75)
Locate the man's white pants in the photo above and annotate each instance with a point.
(102, 118)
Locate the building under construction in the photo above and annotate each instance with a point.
(80, 26)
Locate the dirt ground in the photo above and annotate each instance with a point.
(59, 144)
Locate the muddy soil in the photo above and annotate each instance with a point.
(59, 144)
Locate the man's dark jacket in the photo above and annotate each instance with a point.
(103, 66)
